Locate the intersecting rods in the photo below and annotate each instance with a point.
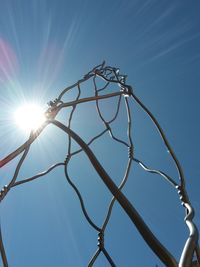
(104, 73)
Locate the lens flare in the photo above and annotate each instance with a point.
(29, 117)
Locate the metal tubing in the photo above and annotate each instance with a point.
(191, 243)
(163, 254)
(52, 115)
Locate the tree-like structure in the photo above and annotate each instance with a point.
(111, 78)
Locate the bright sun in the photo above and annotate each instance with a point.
(29, 117)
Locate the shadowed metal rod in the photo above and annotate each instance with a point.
(110, 75)
(2, 251)
(164, 255)
(52, 115)
(191, 243)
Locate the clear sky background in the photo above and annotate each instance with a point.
(48, 45)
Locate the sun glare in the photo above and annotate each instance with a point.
(29, 117)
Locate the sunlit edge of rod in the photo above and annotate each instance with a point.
(163, 254)
(52, 115)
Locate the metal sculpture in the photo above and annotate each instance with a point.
(109, 75)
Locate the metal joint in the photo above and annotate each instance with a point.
(100, 243)
(126, 90)
(3, 192)
(107, 126)
(67, 159)
(130, 152)
(182, 194)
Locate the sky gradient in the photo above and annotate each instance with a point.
(48, 45)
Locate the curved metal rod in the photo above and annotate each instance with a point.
(98, 108)
(104, 87)
(37, 175)
(197, 251)
(94, 257)
(191, 243)
(107, 218)
(51, 115)
(21, 148)
(160, 130)
(18, 167)
(105, 253)
(90, 142)
(188, 248)
(117, 139)
(122, 85)
(2, 250)
(117, 112)
(164, 175)
(109, 259)
(162, 253)
(85, 78)
(129, 125)
(74, 85)
(70, 117)
(81, 200)
(105, 73)
(107, 123)
(123, 182)
(88, 99)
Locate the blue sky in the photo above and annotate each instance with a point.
(48, 45)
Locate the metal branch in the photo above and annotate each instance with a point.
(18, 167)
(146, 233)
(51, 115)
(20, 149)
(2, 251)
(161, 132)
(109, 75)
(164, 175)
(70, 117)
(109, 259)
(90, 142)
(38, 175)
(94, 258)
(74, 85)
(80, 199)
(189, 247)
(128, 168)
(88, 99)
(191, 243)
(123, 182)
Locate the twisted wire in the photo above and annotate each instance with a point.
(124, 180)
(2, 250)
(161, 173)
(38, 175)
(109, 75)
(80, 199)
(162, 252)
